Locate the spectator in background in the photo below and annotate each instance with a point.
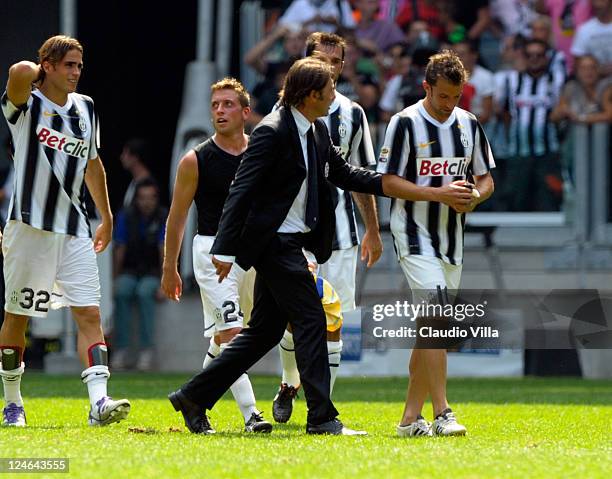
(534, 168)
(265, 94)
(421, 11)
(319, 15)
(359, 79)
(565, 17)
(588, 97)
(594, 37)
(264, 57)
(514, 16)
(137, 259)
(479, 78)
(134, 157)
(474, 15)
(406, 88)
(372, 34)
(454, 31)
(541, 30)
(389, 9)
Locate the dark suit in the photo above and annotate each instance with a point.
(266, 184)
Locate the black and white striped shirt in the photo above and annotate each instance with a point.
(429, 153)
(52, 147)
(349, 130)
(530, 101)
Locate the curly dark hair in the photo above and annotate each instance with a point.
(447, 65)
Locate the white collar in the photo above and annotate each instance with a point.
(303, 124)
(449, 121)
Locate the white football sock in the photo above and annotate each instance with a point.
(334, 352)
(213, 351)
(291, 375)
(242, 390)
(96, 378)
(11, 380)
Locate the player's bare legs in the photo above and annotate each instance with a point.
(13, 330)
(12, 345)
(435, 364)
(89, 329)
(93, 353)
(418, 388)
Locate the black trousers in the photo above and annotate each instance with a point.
(285, 292)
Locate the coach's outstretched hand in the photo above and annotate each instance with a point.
(223, 268)
(104, 233)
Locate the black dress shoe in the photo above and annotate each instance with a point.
(195, 419)
(334, 427)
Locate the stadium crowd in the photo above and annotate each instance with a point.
(536, 67)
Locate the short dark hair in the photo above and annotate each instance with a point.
(471, 44)
(138, 147)
(534, 41)
(324, 38)
(304, 76)
(147, 182)
(447, 65)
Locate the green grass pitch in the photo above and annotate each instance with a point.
(516, 428)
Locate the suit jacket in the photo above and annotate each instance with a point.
(268, 180)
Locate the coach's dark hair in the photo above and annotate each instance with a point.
(54, 49)
(304, 76)
(326, 39)
(447, 65)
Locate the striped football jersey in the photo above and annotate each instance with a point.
(52, 147)
(429, 153)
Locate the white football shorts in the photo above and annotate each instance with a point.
(428, 275)
(223, 302)
(339, 270)
(43, 269)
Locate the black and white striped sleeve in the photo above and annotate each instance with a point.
(482, 156)
(395, 147)
(12, 113)
(362, 151)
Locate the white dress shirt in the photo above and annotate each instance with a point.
(295, 220)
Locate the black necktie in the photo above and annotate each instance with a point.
(312, 200)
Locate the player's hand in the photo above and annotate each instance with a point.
(371, 247)
(104, 233)
(457, 195)
(475, 196)
(172, 285)
(223, 268)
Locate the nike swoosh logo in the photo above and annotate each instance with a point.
(425, 145)
(49, 114)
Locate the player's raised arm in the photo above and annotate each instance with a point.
(185, 187)
(21, 77)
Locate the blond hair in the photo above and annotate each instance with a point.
(229, 83)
